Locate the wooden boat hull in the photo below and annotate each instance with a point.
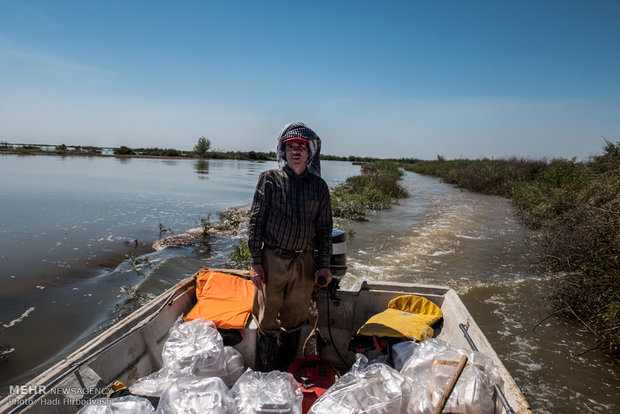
(132, 348)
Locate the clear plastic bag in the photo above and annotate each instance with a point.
(432, 365)
(129, 404)
(197, 395)
(401, 351)
(193, 349)
(234, 366)
(267, 392)
(367, 388)
(153, 385)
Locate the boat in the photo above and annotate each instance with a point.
(132, 348)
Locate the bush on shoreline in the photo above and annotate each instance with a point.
(375, 189)
(576, 208)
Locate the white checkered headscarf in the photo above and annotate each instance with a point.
(301, 130)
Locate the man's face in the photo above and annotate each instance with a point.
(297, 155)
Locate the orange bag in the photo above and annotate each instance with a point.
(223, 298)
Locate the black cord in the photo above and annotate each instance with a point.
(329, 328)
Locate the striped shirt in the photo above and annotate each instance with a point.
(292, 212)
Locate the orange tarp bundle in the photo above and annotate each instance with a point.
(223, 298)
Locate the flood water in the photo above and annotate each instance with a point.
(66, 223)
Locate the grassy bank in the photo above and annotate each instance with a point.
(375, 189)
(576, 208)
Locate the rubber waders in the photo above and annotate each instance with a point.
(289, 342)
(266, 352)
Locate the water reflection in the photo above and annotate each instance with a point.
(202, 169)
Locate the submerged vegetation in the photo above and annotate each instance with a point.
(575, 206)
(137, 260)
(205, 235)
(240, 257)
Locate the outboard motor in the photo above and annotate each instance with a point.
(338, 263)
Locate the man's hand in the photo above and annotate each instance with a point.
(324, 275)
(257, 274)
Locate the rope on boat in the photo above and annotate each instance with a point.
(499, 391)
(26, 402)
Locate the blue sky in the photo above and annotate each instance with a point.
(461, 79)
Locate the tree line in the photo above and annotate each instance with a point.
(202, 149)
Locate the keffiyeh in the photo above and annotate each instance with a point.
(301, 130)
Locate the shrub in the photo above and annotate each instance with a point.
(374, 189)
(123, 150)
(240, 257)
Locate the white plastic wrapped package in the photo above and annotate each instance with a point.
(193, 349)
(197, 395)
(432, 365)
(267, 392)
(129, 404)
(366, 388)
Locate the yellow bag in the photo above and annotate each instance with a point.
(407, 316)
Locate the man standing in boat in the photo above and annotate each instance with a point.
(291, 218)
